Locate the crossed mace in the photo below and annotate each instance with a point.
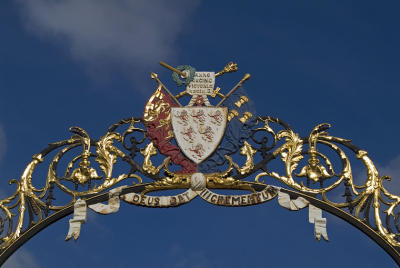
(230, 67)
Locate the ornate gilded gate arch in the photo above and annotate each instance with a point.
(203, 148)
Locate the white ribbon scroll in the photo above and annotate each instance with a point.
(314, 213)
(76, 222)
(296, 204)
(113, 202)
(315, 216)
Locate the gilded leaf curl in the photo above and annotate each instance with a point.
(290, 153)
(147, 165)
(248, 151)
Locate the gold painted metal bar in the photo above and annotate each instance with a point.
(181, 94)
(244, 79)
(172, 69)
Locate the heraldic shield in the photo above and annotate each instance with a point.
(198, 130)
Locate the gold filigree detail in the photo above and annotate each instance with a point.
(216, 181)
(148, 166)
(222, 180)
(374, 187)
(249, 152)
(267, 128)
(290, 154)
(171, 181)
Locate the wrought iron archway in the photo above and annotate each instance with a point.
(312, 167)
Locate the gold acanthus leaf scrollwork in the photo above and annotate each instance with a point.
(219, 181)
(107, 153)
(27, 195)
(374, 187)
(25, 191)
(171, 181)
(248, 151)
(107, 156)
(223, 180)
(148, 166)
(290, 153)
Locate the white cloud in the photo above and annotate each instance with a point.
(21, 259)
(392, 169)
(131, 33)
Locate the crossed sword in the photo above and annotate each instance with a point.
(230, 67)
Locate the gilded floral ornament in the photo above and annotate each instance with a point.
(314, 170)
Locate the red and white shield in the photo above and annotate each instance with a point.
(198, 130)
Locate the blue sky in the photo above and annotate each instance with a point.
(87, 63)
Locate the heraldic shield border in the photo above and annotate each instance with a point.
(81, 171)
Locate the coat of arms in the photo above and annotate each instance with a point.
(191, 135)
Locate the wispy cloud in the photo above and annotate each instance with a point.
(129, 33)
(392, 169)
(22, 259)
